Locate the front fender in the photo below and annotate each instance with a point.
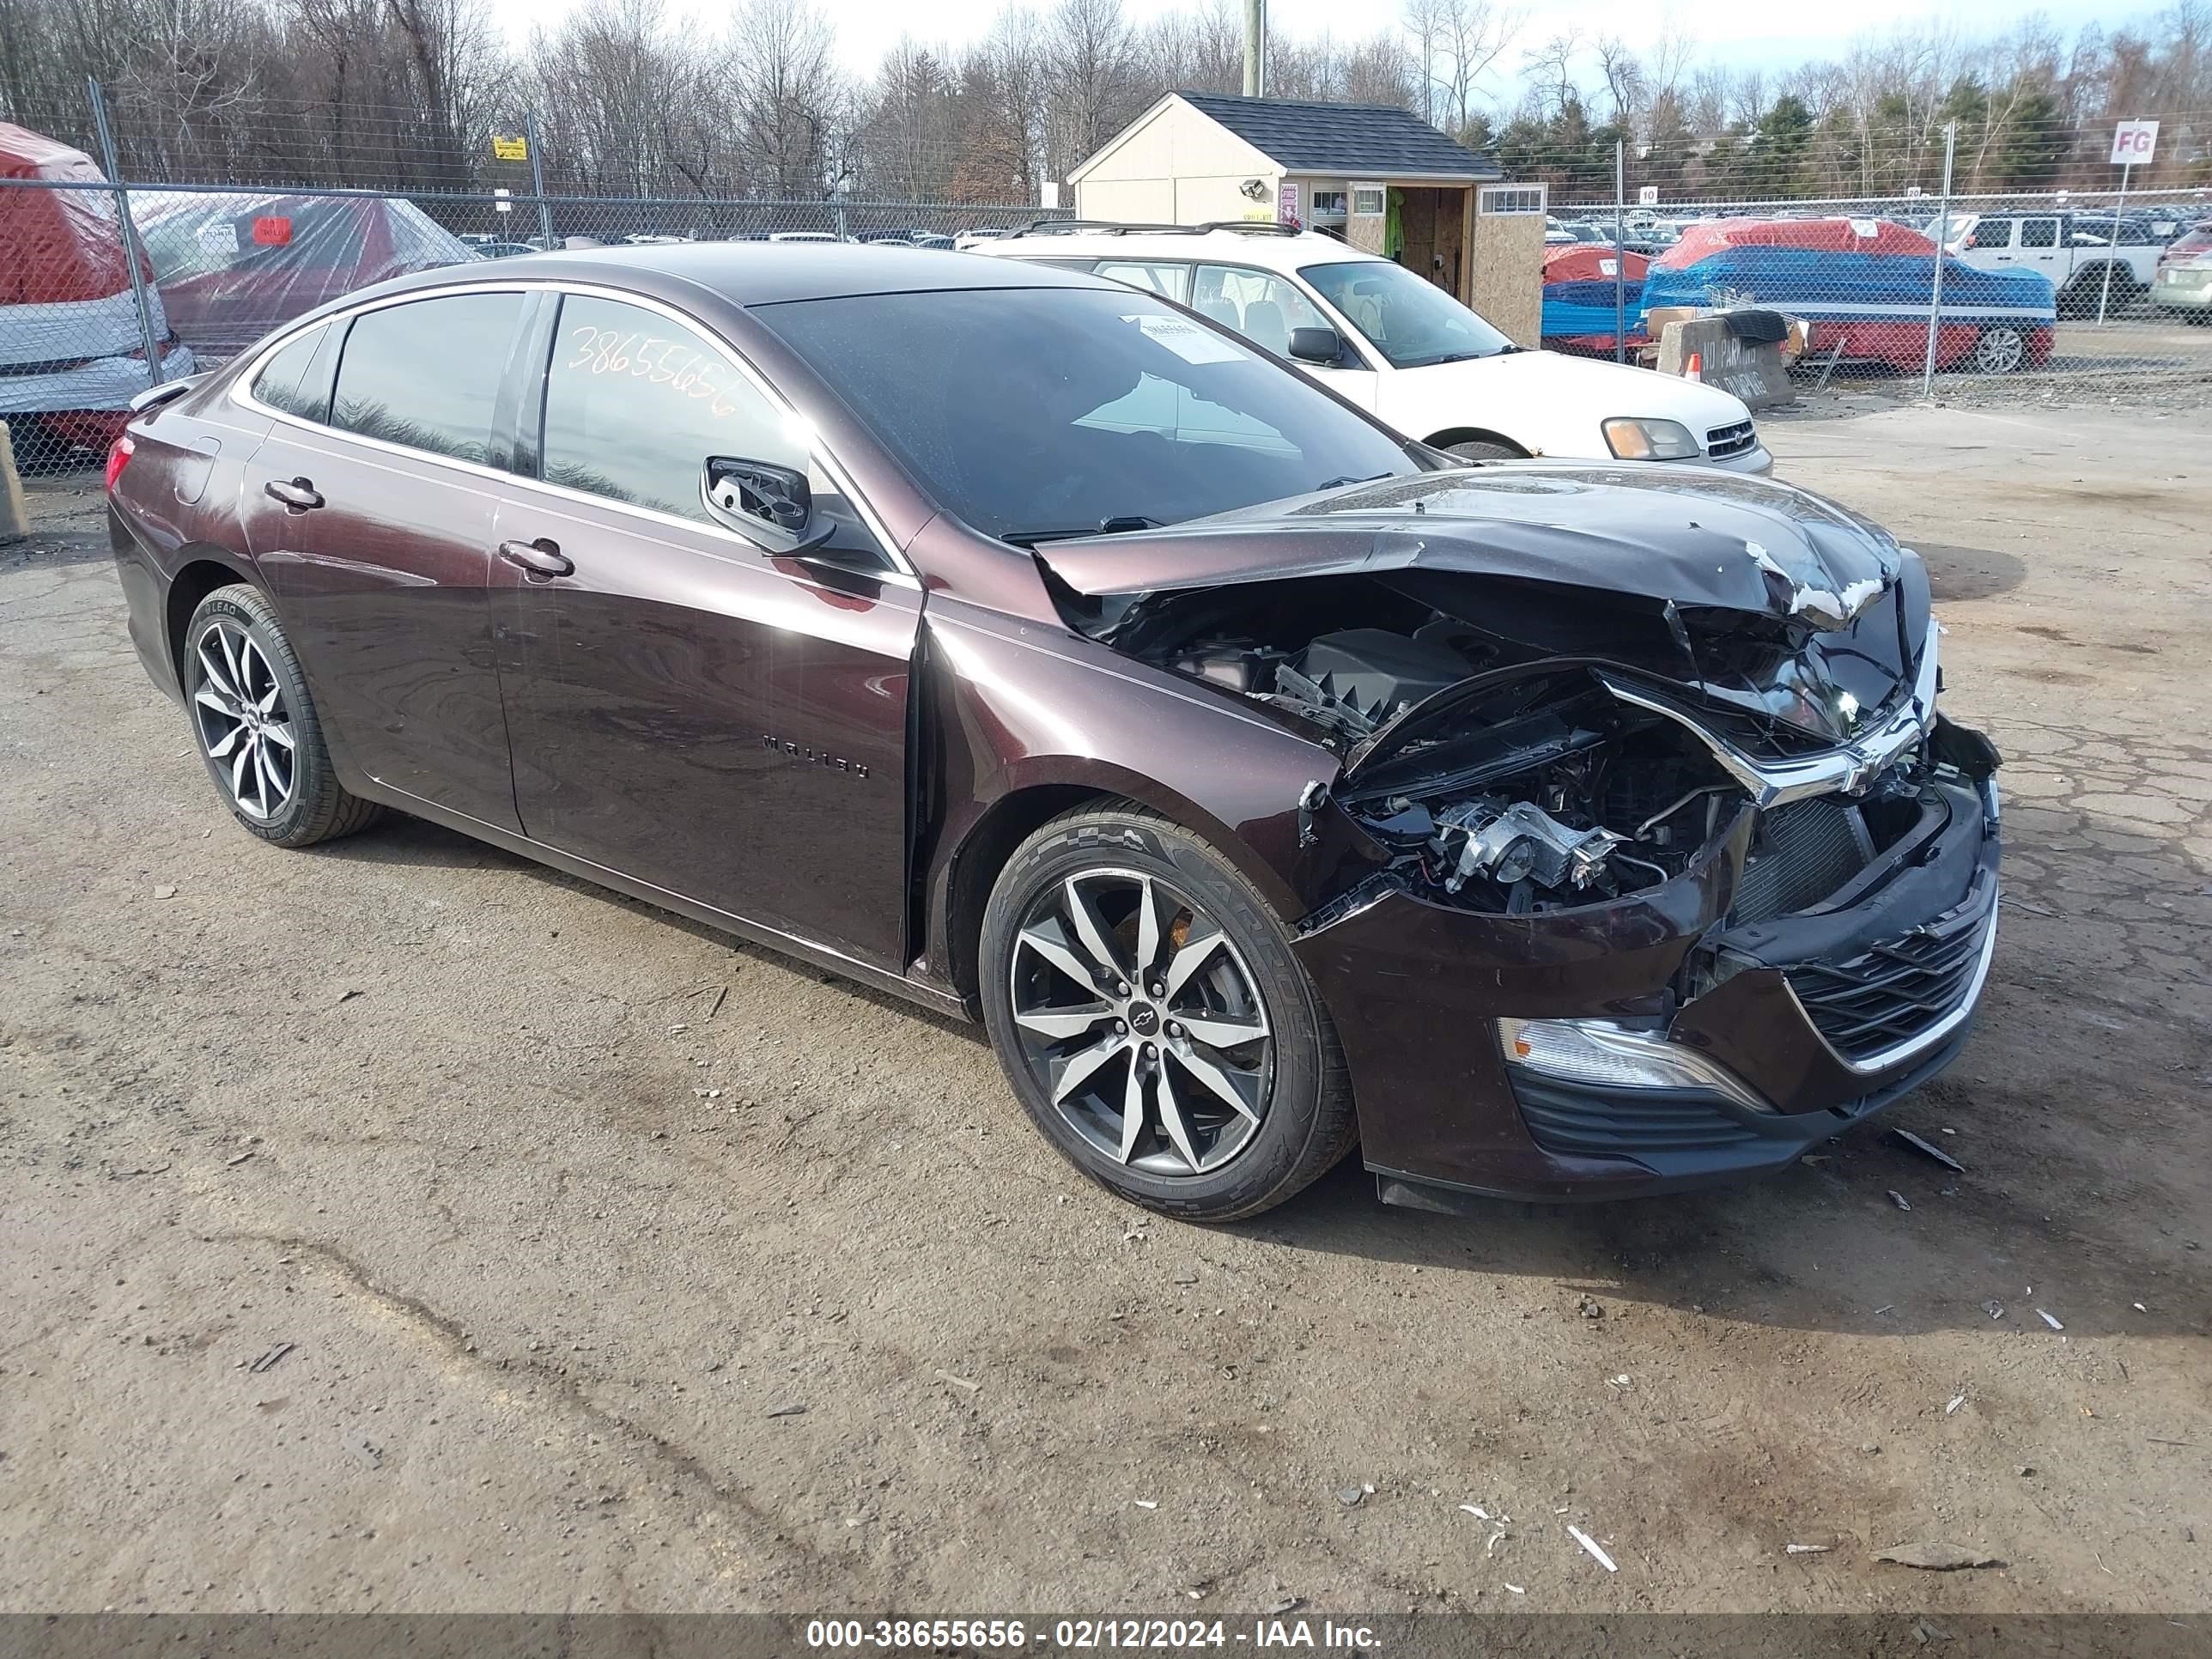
(1010, 708)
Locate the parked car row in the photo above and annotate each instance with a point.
(1036, 644)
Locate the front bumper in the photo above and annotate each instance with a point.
(1826, 1015)
(1756, 460)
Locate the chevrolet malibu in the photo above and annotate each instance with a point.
(1024, 646)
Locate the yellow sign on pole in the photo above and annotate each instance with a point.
(510, 149)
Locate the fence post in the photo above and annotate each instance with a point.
(1942, 240)
(134, 253)
(2105, 298)
(1620, 254)
(538, 178)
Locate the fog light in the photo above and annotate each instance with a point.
(1598, 1054)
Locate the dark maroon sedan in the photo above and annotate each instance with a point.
(1024, 645)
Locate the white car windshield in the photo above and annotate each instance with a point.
(1412, 322)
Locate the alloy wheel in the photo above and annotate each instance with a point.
(1142, 1023)
(245, 725)
(1999, 351)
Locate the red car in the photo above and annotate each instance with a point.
(72, 342)
(231, 268)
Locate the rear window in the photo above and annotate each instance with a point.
(1037, 412)
(427, 374)
(297, 380)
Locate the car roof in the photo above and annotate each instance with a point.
(761, 273)
(1239, 247)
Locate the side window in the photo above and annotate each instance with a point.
(1170, 282)
(1991, 232)
(2038, 233)
(1263, 308)
(425, 374)
(635, 404)
(297, 380)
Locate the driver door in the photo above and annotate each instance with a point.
(688, 707)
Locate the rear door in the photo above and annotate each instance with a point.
(370, 511)
(689, 709)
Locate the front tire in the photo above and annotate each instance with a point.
(1149, 1014)
(256, 727)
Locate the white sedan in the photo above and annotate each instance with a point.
(1402, 348)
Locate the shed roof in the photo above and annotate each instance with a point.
(1347, 138)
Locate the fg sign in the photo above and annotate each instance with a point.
(1646, 196)
(2133, 144)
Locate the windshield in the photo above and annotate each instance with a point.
(1054, 411)
(1411, 321)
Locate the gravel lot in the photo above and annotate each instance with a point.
(402, 1226)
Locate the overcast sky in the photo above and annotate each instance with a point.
(1776, 36)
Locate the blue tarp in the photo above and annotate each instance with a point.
(1582, 308)
(1821, 286)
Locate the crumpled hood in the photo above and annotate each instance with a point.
(1679, 534)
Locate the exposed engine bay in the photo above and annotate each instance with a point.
(1504, 777)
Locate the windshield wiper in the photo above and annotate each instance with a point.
(1335, 484)
(1113, 526)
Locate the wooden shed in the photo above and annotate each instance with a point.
(1380, 177)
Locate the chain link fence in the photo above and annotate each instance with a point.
(2032, 296)
(1914, 266)
(83, 329)
(1944, 284)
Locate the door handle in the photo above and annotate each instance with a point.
(538, 560)
(297, 494)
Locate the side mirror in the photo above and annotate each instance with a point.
(1316, 345)
(765, 503)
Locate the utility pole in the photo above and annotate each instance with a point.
(1255, 48)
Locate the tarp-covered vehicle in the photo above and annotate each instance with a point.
(233, 267)
(1864, 285)
(1579, 285)
(72, 345)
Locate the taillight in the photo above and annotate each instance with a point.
(118, 457)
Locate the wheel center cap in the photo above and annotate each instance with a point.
(1143, 1019)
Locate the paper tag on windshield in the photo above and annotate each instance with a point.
(1185, 340)
(1608, 267)
(220, 238)
(1867, 228)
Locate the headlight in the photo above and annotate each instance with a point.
(1632, 439)
(1599, 1053)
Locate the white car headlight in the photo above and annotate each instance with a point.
(1631, 439)
(1599, 1053)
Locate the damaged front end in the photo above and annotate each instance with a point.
(1661, 874)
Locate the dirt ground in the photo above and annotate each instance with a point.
(402, 1226)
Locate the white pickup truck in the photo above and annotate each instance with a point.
(2075, 248)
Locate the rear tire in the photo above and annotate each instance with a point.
(1191, 1066)
(255, 724)
(2082, 296)
(2002, 349)
(1481, 450)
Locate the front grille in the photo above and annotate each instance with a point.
(1565, 1120)
(1894, 992)
(1803, 852)
(1723, 441)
